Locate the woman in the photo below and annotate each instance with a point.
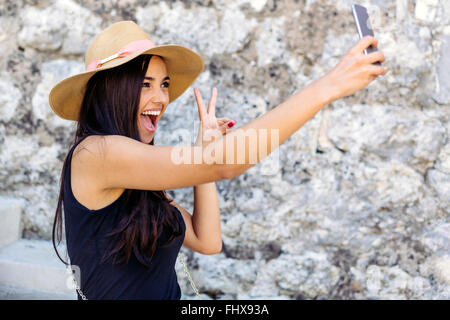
(122, 230)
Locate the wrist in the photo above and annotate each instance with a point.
(324, 90)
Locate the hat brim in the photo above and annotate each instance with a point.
(183, 66)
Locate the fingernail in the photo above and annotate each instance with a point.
(230, 124)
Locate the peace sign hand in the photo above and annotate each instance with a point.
(210, 127)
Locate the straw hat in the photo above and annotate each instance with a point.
(114, 46)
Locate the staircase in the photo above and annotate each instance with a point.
(29, 269)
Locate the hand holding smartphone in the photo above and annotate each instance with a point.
(363, 26)
(359, 66)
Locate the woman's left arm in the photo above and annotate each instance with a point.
(206, 217)
(203, 233)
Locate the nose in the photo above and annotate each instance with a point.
(160, 96)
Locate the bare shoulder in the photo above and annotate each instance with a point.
(119, 162)
(113, 161)
(87, 178)
(94, 149)
(101, 147)
(93, 156)
(91, 147)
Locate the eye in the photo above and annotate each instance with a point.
(166, 84)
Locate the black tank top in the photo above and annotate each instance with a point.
(85, 230)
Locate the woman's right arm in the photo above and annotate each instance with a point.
(122, 162)
(354, 72)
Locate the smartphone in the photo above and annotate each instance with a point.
(363, 26)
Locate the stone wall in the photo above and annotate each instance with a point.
(359, 208)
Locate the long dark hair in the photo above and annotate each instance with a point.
(110, 107)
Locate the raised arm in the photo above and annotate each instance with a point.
(354, 72)
(122, 162)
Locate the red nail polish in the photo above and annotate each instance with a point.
(230, 124)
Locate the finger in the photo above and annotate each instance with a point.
(224, 128)
(364, 43)
(200, 104)
(212, 103)
(224, 120)
(374, 57)
(231, 124)
(374, 70)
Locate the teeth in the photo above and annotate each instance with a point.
(151, 113)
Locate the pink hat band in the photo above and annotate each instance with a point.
(126, 50)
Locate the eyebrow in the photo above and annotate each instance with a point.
(150, 78)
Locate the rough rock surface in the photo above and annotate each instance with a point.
(358, 207)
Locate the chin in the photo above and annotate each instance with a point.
(147, 141)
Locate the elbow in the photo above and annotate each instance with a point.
(226, 172)
(213, 249)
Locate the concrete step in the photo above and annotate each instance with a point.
(10, 214)
(30, 268)
(15, 293)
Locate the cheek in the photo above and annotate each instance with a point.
(142, 101)
(138, 123)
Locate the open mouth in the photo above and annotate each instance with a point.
(149, 121)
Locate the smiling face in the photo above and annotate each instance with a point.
(154, 98)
